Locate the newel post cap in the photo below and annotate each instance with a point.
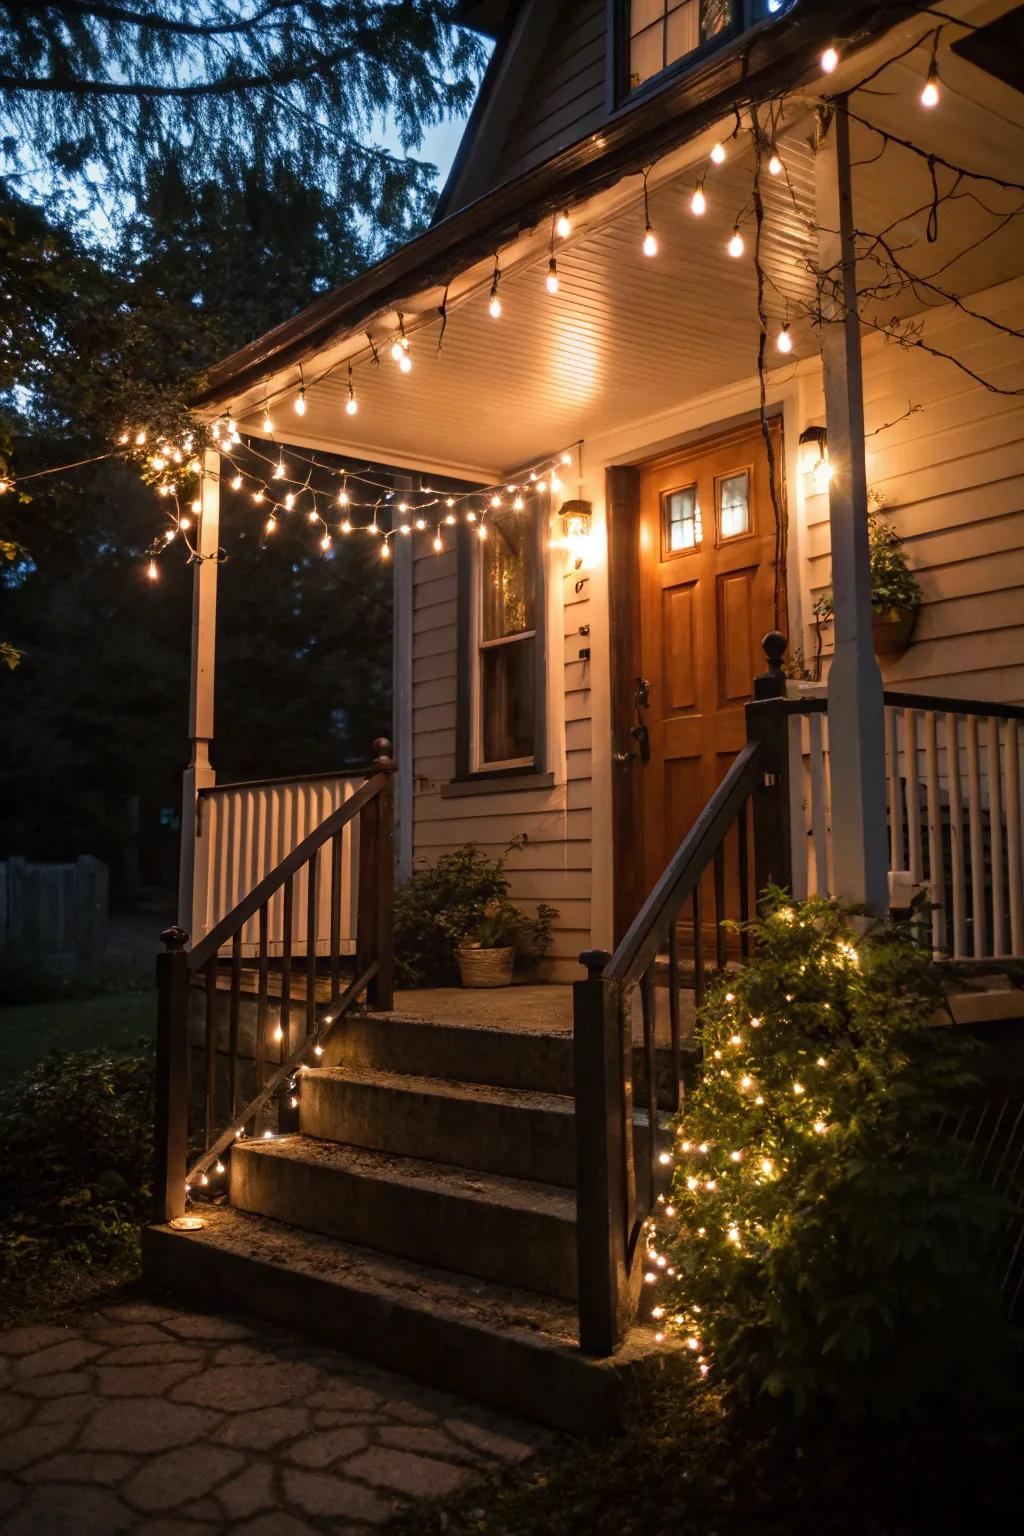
(594, 962)
(174, 939)
(772, 684)
(383, 755)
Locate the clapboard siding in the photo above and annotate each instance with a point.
(554, 864)
(567, 97)
(951, 480)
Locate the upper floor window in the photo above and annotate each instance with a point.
(660, 33)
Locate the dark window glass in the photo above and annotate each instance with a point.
(507, 700)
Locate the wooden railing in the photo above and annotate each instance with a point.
(244, 830)
(739, 844)
(953, 784)
(187, 1156)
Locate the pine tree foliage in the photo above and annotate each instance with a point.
(108, 88)
(825, 1239)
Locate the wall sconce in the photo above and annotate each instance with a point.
(575, 517)
(813, 457)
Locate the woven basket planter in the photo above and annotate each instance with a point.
(485, 967)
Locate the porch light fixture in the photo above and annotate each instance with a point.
(575, 518)
(813, 457)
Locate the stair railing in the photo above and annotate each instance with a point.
(612, 1201)
(298, 1040)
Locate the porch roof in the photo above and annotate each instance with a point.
(626, 336)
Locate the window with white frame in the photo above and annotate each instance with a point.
(660, 33)
(506, 643)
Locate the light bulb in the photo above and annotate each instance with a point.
(736, 243)
(774, 164)
(184, 521)
(552, 278)
(494, 307)
(279, 470)
(351, 405)
(650, 242)
(346, 526)
(300, 402)
(312, 516)
(259, 495)
(405, 363)
(482, 531)
(325, 542)
(420, 524)
(236, 484)
(829, 60)
(495, 501)
(698, 202)
(450, 519)
(385, 550)
(784, 340)
(289, 501)
(518, 504)
(563, 224)
(718, 153)
(343, 498)
(151, 570)
(396, 351)
(438, 543)
(270, 525)
(930, 93)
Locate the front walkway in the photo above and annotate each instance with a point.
(146, 1417)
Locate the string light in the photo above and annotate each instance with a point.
(351, 404)
(650, 245)
(151, 570)
(494, 306)
(717, 155)
(268, 425)
(563, 224)
(735, 246)
(830, 60)
(930, 91)
(698, 202)
(552, 277)
(774, 163)
(300, 401)
(784, 340)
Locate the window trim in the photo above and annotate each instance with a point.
(686, 550)
(620, 95)
(750, 531)
(470, 766)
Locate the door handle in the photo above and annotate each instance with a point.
(642, 736)
(642, 696)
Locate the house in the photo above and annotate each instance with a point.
(697, 285)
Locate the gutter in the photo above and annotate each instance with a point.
(776, 57)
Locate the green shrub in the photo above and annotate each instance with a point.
(463, 898)
(893, 583)
(830, 1243)
(76, 1139)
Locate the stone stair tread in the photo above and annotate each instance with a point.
(479, 1026)
(399, 1082)
(442, 1178)
(547, 1320)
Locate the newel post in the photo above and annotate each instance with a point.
(171, 1120)
(601, 1129)
(768, 723)
(375, 934)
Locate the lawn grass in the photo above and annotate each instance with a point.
(113, 1020)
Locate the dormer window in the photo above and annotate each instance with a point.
(657, 34)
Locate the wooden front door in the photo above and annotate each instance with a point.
(708, 543)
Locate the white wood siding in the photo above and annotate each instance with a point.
(555, 864)
(952, 479)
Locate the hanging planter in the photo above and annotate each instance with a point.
(896, 594)
(891, 629)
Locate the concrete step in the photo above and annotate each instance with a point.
(498, 1345)
(509, 1230)
(492, 1130)
(457, 1052)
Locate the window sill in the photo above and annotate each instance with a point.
(496, 784)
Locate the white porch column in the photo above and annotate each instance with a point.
(401, 709)
(199, 774)
(856, 716)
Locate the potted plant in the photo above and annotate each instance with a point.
(896, 594)
(455, 920)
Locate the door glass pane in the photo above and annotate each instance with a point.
(646, 54)
(507, 569)
(682, 520)
(715, 16)
(507, 700)
(734, 505)
(643, 12)
(683, 34)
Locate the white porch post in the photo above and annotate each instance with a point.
(856, 714)
(404, 560)
(199, 774)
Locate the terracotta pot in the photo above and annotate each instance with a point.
(485, 967)
(891, 629)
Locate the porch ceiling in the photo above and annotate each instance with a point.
(627, 336)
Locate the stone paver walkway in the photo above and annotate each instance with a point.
(151, 1418)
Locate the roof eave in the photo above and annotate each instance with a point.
(775, 57)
